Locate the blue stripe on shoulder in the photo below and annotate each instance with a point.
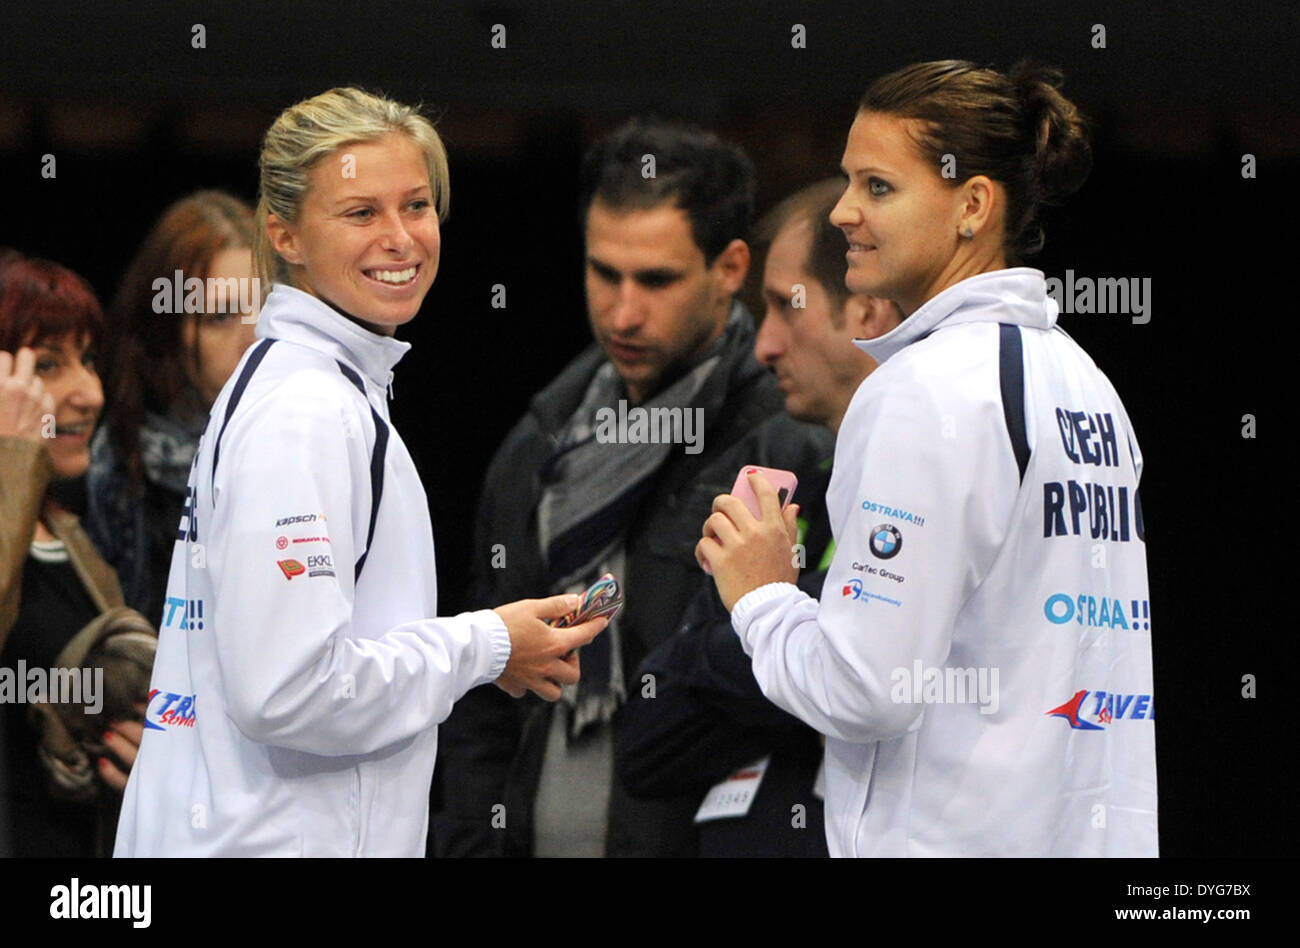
(1011, 373)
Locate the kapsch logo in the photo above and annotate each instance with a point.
(886, 541)
(299, 518)
(1094, 710)
(852, 588)
(291, 568)
(170, 709)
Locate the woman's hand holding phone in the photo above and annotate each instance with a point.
(744, 551)
(542, 656)
(784, 481)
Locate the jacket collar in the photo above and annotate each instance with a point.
(295, 316)
(1016, 296)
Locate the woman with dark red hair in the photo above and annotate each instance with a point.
(66, 755)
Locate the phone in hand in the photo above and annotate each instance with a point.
(784, 481)
(604, 597)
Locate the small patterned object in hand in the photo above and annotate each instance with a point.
(603, 598)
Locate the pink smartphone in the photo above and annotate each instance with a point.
(784, 481)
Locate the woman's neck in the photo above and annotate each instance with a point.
(42, 533)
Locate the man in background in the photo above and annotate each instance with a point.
(708, 726)
(613, 468)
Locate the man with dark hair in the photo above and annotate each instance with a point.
(709, 725)
(613, 468)
(807, 339)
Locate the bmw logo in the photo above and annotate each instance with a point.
(886, 541)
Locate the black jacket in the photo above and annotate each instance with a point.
(490, 749)
(708, 718)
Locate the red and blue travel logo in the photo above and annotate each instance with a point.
(854, 590)
(1095, 710)
(167, 709)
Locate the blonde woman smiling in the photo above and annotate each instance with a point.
(300, 675)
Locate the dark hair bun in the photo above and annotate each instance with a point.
(1059, 131)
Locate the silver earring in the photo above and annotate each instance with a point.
(970, 234)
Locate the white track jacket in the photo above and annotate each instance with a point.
(296, 695)
(980, 661)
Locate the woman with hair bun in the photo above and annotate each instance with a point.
(299, 683)
(982, 668)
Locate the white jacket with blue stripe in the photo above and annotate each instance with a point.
(295, 698)
(980, 660)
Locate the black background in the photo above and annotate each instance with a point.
(136, 117)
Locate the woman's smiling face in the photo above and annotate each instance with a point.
(367, 237)
(899, 215)
(66, 367)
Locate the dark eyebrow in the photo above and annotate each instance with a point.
(658, 274)
(869, 169)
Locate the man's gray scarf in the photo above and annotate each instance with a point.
(590, 493)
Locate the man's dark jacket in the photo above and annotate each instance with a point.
(707, 718)
(490, 749)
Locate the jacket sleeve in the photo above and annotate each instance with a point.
(296, 674)
(915, 447)
(24, 475)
